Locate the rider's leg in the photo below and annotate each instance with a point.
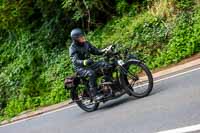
(100, 64)
(92, 80)
(105, 66)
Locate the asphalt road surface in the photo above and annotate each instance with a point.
(174, 103)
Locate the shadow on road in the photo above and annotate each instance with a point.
(117, 102)
(127, 99)
(122, 101)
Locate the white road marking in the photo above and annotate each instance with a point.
(176, 75)
(183, 130)
(53, 111)
(50, 112)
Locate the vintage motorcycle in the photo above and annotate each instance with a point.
(128, 75)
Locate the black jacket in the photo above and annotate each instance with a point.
(79, 53)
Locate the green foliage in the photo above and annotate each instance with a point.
(34, 42)
(14, 107)
(185, 4)
(184, 41)
(144, 36)
(196, 30)
(122, 7)
(156, 40)
(89, 13)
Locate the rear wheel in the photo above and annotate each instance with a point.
(138, 79)
(83, 100)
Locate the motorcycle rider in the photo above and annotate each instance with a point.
(80, 51)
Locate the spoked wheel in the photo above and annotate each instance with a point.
(138, 79)
(83, 100)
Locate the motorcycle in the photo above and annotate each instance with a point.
(128, 75)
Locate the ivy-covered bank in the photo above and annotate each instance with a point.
(34, 41)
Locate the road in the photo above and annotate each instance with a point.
(174, 103)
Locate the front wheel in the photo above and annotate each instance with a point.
(137, 79)
(82, 98)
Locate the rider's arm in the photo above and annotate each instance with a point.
(74, 57)
(94, 50)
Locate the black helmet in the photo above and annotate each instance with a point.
(76, 33)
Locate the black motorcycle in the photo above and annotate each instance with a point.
(128, 75)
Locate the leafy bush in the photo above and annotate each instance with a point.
(185, 4)
(145, 35)
(184, 41)
(34, 57)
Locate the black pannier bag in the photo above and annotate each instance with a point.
(71, 82)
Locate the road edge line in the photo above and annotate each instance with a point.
(183, 129)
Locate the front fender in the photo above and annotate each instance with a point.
(132, 61)
(123, 74)
(124, 67)
(132, 56)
